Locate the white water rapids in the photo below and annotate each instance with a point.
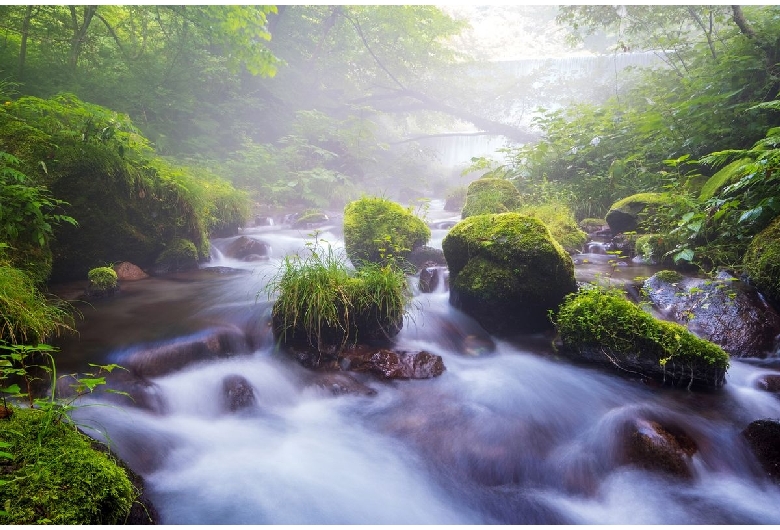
(515, 437)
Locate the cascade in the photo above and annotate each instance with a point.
(508, 434)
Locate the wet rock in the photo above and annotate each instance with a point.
(244, 246)
(390, 364)
(238, 392)
(725, 311)
(262, 220)
(651, 446)
(768, 383)
(311, 220)
(127, 389)
(338, 384)
(631, 213)
(763, 437)
(432, 277)
(425, 256)
(256, 257)
(166, 357)
(507, 272)
(126, 271)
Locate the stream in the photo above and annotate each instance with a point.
(514, 437)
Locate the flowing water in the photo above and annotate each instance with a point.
(515, 437)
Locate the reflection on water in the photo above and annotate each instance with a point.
(508, 434)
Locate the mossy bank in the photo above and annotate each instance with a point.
(52, 475)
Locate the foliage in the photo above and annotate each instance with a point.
(326, 304)
(762, 260)
(490, 195)
(26, 315)
(102, 278)
(560, 221)
(603, 318)
(50, 474)
(28, 215)
(129, 200)
(377, 230)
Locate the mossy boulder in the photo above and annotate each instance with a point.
(653, 248)
(762, 261)
(310, 219)
(54, 476)
(635, 213)
(377, 230)
(507, 271)
(455, 199)
(491, 195)
(102, 282)
(561, 222)
(180, 255)
(721, 309)
(602, 326)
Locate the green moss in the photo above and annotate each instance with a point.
(603, 319)
(377, 230)
(310, 216)
(102, 278)
(762, 260)
(668, 276)
(180, 254)
(507, 271)
(490, 195)
(592, 223)
(560, 220)
(56, 477)
(637, 212)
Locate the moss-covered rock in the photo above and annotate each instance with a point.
(179, 255)
(491, 195)
(601, 326)
(507, 271)
(560, 220)
(54, 476)
(653, 248)
(455, 199)
(102, 281)
(377, 230)
(635, 213)
(310, 219)
(762, 261)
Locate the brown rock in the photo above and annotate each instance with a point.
(244, 246)
(651, 446)
(390, 364)
(763, 436)
(769, 383)
(238, 392)
(126, 271)
(340, 383)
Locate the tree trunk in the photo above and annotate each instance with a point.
(79, 33)
(23, 46)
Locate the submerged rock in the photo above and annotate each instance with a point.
(769, 383)
(243, 247)
(431, 277)
(339, 383)
(238, 392)
(166, 357)
(389, 364)
(650, 445)
(722, 310)
(763, 436)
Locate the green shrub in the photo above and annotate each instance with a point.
(326, 305)
(377, 230)
(655, 248)
(102, 278)
(50, 474)
(762, 261)
(26, 315)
